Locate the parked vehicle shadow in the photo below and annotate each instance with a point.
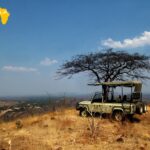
(131, 119)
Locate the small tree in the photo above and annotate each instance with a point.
(108, 65)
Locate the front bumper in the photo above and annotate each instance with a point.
(77, 106)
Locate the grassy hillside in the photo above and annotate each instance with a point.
(66, 130)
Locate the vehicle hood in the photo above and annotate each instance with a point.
(85, 102)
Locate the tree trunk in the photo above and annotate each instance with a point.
(105, 92)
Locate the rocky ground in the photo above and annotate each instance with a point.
(66, 130)
(12, 110)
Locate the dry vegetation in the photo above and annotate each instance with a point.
(65, 130)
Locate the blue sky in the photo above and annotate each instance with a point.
(41, 35)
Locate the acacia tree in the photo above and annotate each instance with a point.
(108, 65)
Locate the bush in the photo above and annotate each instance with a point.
(19, 124)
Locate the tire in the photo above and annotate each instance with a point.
(83, 113)
(118, 116)
(144, 108)
(140, 109)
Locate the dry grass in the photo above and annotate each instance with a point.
(65, 130)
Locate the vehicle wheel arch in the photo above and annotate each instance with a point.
(83, 108)
(117, 109)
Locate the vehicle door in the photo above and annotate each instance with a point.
(96, 104)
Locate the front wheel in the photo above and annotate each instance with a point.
(118, 116)
(83, 113)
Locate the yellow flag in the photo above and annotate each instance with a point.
(4, 15)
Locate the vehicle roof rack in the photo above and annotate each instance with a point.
(118, 83)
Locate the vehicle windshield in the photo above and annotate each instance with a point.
(97, 97)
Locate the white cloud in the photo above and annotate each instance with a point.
(139, 41)
(18, 69)
(48, 62)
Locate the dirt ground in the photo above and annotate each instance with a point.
(66, 130)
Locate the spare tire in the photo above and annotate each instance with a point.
(140, 109)
(144, 108)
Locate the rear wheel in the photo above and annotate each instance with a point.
(118, 116)
(83, 113)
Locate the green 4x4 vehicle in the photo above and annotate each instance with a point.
(118, 106)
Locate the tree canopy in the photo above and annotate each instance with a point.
(108, 65)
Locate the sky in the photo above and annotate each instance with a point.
(41, 35)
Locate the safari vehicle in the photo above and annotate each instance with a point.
(118, 106)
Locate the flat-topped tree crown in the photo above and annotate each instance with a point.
(109, 65)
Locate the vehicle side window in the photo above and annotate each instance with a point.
(97, 98)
